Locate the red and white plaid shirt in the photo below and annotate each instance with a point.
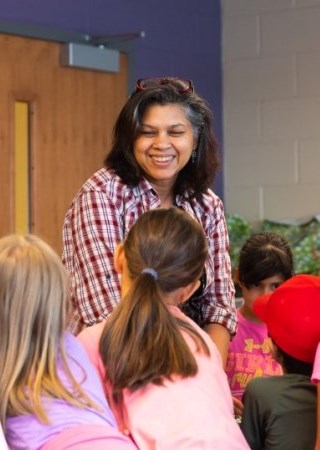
(101, 216)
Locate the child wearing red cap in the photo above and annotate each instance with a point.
(265, 262)
(280, 411)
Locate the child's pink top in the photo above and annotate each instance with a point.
(190, 413)
(316, 367)
(3, 443)
(249, 355)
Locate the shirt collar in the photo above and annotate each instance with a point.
(144, 187)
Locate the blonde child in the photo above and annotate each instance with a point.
(51, 396)
(265, 262)
(162, 373)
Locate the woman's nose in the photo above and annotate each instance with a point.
(161, 141)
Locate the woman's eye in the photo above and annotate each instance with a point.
(147, 133)
(176, 133)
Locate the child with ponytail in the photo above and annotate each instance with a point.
(163, 375)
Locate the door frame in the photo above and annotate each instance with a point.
(123, 43)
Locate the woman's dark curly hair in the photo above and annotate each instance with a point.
(195, 177)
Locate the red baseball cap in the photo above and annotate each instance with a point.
(292, 315)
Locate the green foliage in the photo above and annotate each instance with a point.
(239, 231)
(292, 233)
(303, 239)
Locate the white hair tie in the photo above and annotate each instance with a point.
(151, 272)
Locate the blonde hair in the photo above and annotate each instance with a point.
(33, 315)
(142, 340)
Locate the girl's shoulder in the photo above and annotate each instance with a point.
(214, 353)
(91, 335)
(90, 339)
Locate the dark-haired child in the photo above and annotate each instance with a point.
(265, 262)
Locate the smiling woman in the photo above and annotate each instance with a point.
(164, 154)
(164, 147)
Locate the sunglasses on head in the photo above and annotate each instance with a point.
(181, 85)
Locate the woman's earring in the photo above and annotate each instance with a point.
(193, 156)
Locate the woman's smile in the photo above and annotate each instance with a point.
(162, 160)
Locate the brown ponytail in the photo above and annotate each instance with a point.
(142, 340)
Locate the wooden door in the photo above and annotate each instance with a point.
(71, 113)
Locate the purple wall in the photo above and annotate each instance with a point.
(181, 38)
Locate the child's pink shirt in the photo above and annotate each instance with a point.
(316, 367)
(249, 356)
(3, 443)
(190, 413)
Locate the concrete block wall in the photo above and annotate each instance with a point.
(271, 108)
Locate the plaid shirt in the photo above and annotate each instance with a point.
(100, 217)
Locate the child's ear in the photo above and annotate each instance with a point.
(235, 275)
(188, 290)
(118, 259)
